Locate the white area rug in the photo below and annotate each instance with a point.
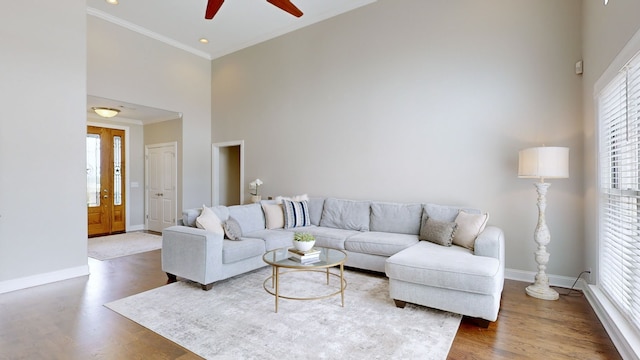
(236, 319)
(113, 246)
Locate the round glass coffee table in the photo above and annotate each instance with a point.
(279, 258)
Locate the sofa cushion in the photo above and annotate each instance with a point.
(273, 239)
(395, 217)
(345, 214)
(232, 229)
(296, 213)
(273, 215)
(438, 232)
(233, 251)
(209, 221)
(469, 227)
(250, 217)
(315, 210)
(328, 237)
(454, 268)
(445, 213)
(379, 243)
(189, 216)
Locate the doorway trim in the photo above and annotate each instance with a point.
(215, 169)
(127, 194)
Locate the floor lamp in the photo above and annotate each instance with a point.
(541, 163)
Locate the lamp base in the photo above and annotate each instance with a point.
(541, 291)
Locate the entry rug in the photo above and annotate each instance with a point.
(237, 319)
(113, 246)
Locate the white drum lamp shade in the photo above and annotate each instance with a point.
(544, 162)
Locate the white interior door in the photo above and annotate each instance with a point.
(160, 185)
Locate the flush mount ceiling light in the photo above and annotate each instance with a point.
(204, 40)
(112, 2)
(106, 112)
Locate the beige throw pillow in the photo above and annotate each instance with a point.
(208, 220)
(469, 227)
(274, 215)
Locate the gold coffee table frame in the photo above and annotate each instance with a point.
(279, 258)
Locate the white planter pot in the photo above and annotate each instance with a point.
(303, 245)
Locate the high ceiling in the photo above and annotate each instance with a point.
(181, 23)
(238, 24)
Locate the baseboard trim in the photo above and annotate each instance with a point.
(135, 228)
(42, 279)
(529, 276)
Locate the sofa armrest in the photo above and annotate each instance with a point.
(192, 253)
(490, 243)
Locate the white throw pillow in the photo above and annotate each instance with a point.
(208, 220)
(273, 215)
(469, 227)
(303, 197)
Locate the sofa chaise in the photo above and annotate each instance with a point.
(465, 278)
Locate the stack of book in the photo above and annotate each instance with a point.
(304, 257)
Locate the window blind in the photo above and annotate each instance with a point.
(619, 191)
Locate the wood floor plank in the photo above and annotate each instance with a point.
(67, 320)
(529, 328)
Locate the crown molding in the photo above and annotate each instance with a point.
(146, 32)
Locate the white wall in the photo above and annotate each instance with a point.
(418, 101)
(606, 30)
(133, 68)
(43, 231)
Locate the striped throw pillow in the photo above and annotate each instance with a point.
(296, 213)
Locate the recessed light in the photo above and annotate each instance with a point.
(112, 2)
(204, 40)
(606, 2)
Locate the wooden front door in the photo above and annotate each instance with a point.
(105, 181)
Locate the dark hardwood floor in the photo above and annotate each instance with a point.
(529, 328)
(66, 320)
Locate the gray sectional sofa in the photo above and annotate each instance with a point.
(378, 236)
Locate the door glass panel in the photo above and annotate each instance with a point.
(117, 170)
(93, 170)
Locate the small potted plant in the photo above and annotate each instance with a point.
(255, 185)
(303, 241)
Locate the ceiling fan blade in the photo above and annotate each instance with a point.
(212, 8)
(287, 6)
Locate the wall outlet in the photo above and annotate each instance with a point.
(579, 67)
(588, 275)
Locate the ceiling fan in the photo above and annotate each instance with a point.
(214, 5)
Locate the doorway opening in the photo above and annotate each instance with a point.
(228, 173)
